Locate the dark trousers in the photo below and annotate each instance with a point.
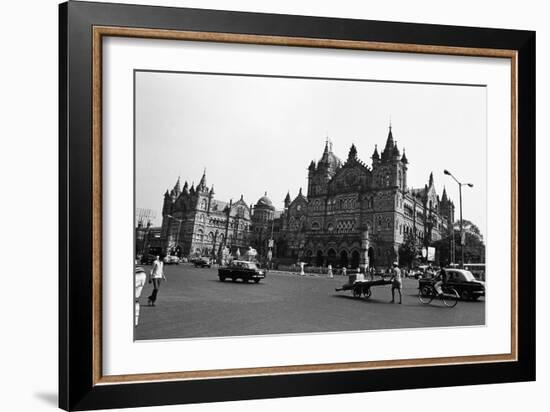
(156, 287)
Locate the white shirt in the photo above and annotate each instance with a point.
(157, 271)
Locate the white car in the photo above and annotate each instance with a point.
(171, 260)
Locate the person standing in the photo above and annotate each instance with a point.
(140, 280)
(344, 271)
(156, 276)
(330, 275)
(397, 282)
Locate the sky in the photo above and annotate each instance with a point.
(259, 134)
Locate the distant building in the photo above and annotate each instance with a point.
(194, 222)
(352, 214)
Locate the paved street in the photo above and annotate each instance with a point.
(194, 303)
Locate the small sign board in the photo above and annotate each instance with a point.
(431, 254)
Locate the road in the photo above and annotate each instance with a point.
(194, 303)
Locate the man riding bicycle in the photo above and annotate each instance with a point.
(440, 280)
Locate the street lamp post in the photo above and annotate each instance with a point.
(462, 238)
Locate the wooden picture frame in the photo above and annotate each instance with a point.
(82, 385)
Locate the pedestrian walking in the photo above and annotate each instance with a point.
(156, 277)
(330, 275)
(302, 273)
(344, 271)
(397, 282)
(140, 280)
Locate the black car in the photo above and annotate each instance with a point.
(462, 281)
(241, 269)
(148, 259)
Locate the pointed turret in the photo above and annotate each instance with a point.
(404, 158)
(375, 155)
(444, 198)
(212, 191)
(300, 193)
(312, 166)
(185, 188)
(326, 153)
(287, 199)
(387, 153)
(395, 152)
(431, 179)
(202, 184)
(192, 190)
(177, 189)
(352, 154)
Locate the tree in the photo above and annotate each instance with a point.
(408, 250)
(474, 250)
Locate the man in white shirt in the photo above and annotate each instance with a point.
(397, 282)
(155, 277)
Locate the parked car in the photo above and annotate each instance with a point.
(202, 262)
(241, 269)
(462, 281)
(171, 260)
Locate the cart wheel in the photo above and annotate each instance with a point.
(356, 292)
(367, 292)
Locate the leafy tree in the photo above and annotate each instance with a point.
(474, 250)
(408, 250)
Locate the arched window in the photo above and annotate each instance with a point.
(203, 204)
(200, 235)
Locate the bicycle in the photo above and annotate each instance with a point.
(427, 293)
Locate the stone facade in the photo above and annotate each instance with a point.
(355, 215)
(352, 214)
(193, 222)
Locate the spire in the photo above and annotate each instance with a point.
(431, 179)
(212, 190)
(185, 187)
(300, 193)
(287, 199)
(404, 157)
(395, 151)
(387, 153)
(326, 152)
(389, 140)
(312, 165)
(192, 190)
(177, 189)
(444, 198)
(352, 153)
(202, 183)
(167, 193)
(375, 155)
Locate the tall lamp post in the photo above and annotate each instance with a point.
(462, 238)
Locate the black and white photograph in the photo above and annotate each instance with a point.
(270, 205)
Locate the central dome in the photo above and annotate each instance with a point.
(265, 202)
